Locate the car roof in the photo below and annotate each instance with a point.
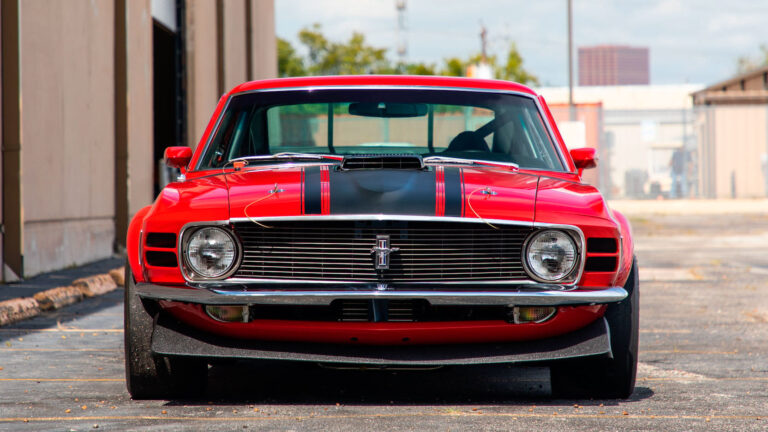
(383, 80)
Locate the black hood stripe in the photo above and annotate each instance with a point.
(312, 199)
(453, 191)
(386, 191)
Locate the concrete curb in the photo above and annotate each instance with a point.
(22, 308)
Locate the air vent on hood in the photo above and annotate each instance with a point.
(368, 162)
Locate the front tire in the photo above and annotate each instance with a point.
(611, 378)
(148, 376)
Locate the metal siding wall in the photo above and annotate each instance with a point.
(234, 33)
(139, 73)
(739, 139)
(68, 129)
(2, 263)
(216, 57)
(13, 244)
(86, 158)
(202, 68)
(133, 111)
(263, 39)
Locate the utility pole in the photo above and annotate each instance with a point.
(571, 107)
(402, 32)
(484, 42)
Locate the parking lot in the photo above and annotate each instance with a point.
(703, 362)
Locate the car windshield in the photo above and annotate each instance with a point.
(458, 124)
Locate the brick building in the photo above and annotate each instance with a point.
(613, 65)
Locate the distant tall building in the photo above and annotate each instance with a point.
(613, 65)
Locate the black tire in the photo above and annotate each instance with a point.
(148, 376)
(608, 378)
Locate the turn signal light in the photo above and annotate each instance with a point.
(228, 313)
(532, 314)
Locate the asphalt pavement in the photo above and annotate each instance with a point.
(703, 365)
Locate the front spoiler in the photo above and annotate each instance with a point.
(171, 338)
(526, 295)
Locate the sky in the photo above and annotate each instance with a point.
(690, 41)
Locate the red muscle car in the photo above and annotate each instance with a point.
(392, 221)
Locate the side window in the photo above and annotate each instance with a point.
(239, 144)
(215, 155)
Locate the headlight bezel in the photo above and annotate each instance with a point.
(570, 277)
(187, 269)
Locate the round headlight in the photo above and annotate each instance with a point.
(211, 252)
(551, 255)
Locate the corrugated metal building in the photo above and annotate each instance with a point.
(732, 116)
(92, 93)
(640, 128)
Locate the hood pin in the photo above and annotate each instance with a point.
(276, 190)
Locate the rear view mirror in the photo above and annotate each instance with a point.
(178, 157)
(387, 109)
(584, 158)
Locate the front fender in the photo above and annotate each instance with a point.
(133, 244)
(627, 248)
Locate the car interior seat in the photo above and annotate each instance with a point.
(468, 141)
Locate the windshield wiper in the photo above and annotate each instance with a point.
(462, 161)
(285, 156)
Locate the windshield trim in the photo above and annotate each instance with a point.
(312, 88)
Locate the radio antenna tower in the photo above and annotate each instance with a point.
(402, 31)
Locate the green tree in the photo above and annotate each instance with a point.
(420, 69)
(513, 70)
(453, 66)
(289, 63)
(316, 43)
(354, 57)
(747, 63)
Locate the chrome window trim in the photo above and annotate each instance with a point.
(182, 249)
(533, 97)
(573, 230)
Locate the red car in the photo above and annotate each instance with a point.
(392, 221)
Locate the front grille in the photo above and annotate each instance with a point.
(601, 245)
(161, 240)
(601, 264)
(353, 310)
(379, 310)
(342, 251)
(361, 162)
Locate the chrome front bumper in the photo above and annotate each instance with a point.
(530, 295)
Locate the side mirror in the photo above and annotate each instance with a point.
(584, 158)
(178, 157)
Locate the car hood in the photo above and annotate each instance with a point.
(442, 191)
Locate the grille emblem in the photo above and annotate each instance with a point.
(382, 251)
